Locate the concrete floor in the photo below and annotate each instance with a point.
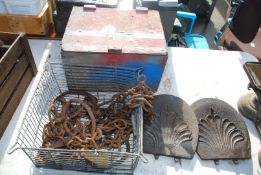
(217, 20)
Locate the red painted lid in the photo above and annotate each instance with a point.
(103, 30)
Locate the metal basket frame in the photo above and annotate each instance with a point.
(101, 81)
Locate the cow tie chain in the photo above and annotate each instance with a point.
(84, 124)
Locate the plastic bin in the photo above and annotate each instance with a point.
(3, 9)
(25, 7)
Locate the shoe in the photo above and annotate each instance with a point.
(248, 106)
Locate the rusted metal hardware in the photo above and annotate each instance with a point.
(142, 9)
(114, 50)
(174, 129)
(84, 124)
(222, 131)
(89, 7)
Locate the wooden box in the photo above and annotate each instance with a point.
(17, 68)
(114, 37)
(64, 8)
(38, 25)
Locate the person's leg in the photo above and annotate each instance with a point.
(248, 105)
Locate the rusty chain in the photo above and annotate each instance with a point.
(84, 124)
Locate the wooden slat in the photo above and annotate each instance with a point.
(29, 24)
(52, 8)
(4, 24)
(8, 112)
(7, 38)
(46, 20)
(9, 85)
(9, 59)
(52, 5)
(2, 51)
(29, 54)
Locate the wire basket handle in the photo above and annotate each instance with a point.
(13, 148)
(141, 78)
(143, 158)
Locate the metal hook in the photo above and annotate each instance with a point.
(156, 157)
(141, 78)
(249, 86)
(177, 160)
(235, 161)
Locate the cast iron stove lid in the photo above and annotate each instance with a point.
(174, 129)
(222, 131)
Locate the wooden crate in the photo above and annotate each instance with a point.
(17, 68)
(28, 24)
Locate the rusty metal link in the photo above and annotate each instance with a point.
(82, 123)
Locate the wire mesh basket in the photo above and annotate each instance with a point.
(102, 82)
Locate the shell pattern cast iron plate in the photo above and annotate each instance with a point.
(174, 129)
(222, 131)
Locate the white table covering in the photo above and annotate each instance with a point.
(190, 74)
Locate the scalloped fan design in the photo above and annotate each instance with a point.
(219, 133)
